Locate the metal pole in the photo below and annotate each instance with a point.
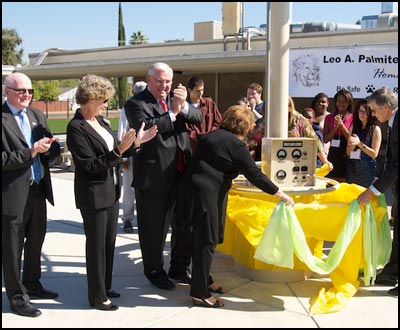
(242, 8)
(279, 64)
(268, 73)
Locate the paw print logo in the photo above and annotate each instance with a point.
(370, 88)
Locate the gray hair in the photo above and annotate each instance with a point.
(159, 66)
(13, 78)
(384, 96)
(139, 86)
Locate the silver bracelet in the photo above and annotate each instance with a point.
(118, 155)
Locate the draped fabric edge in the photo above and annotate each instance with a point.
(284, 225)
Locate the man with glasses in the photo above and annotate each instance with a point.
(159, 166)
(27, 149)
(383, 103)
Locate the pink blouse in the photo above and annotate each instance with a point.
(330, 123)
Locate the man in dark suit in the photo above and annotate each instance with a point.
(24, 193)
(383, 103)
(159, 165)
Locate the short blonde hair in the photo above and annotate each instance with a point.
(92, 87)
(238, 119)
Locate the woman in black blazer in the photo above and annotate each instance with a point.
(203, 193)
(97, 184)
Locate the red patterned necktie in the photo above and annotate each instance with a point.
(180, 165)
(164, 105)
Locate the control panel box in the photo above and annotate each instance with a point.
(289, 162)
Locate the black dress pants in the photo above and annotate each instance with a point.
(24, 233)
(101, 230)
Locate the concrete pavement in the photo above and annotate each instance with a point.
(248, 303)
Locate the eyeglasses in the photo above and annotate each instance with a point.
(21, 90)
(159, 81)
(105, 101)
(373, 110)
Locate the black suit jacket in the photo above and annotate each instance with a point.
(94, 183)
(157, 159)
(203, 190)
(17, 160)
(389, 176)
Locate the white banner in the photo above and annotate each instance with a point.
(359, 69)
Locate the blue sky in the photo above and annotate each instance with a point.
(81, 25)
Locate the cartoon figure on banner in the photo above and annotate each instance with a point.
(306, 70)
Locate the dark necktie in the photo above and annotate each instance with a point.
(26, 130)
(180, 165)
(388, 150)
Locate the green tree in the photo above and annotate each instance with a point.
(10, 41)
(138, 38)
(69, 83)
(122, 81)
(113, 103)
(46, 90)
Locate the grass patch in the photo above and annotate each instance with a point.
(59, 126)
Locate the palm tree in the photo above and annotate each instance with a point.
(138, 38)
(122, 90)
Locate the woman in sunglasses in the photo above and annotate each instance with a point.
(98, 157)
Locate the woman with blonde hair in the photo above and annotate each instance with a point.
(98, 156)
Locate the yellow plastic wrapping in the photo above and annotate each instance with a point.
(321, 217)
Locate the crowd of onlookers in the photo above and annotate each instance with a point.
(349, 135)
(178, 154)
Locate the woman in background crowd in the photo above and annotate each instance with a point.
(320, 105)
(300, 126)
(363, 146)
(336, 131)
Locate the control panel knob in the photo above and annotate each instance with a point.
(296, 153)
(281, 154)
(281, 175)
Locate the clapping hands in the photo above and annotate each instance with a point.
(178, 101)
(145, 135)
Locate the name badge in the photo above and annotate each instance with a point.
(335, 143)
(356, 154)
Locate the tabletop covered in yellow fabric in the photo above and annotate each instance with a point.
(322, 218)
